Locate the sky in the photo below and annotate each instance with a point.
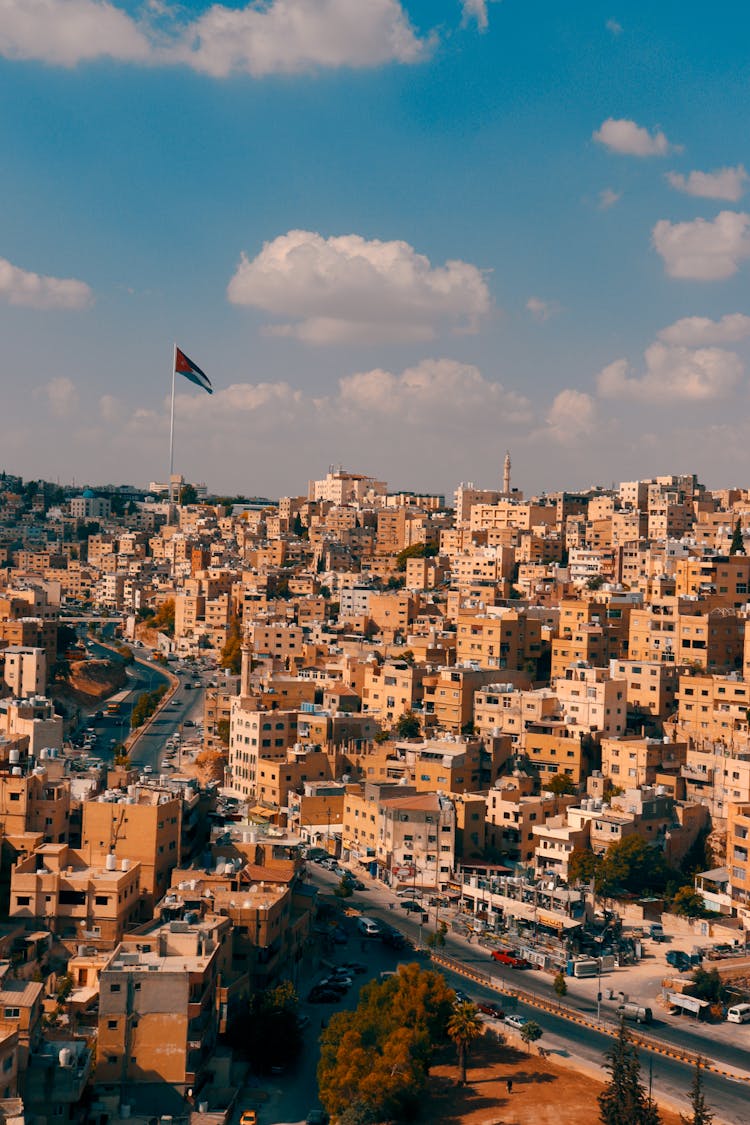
(402, 237)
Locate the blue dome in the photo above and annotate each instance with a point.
(88, 494)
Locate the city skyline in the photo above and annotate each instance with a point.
(401, 239)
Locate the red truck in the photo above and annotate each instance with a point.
(507, 957)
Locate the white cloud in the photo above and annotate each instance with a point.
(724, 183)
(264, 37)
(61, 395)
(348, 288)
(704, 250)
(110, 408)
(476, 10)
(613, 27)
(673, 375)
(441, 387)
(571, 415)
(624, 136)
(66, 32)
(608, 197)
(20, 287)
(699, 331)
(540, 309)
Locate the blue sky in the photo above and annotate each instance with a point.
(399, 236)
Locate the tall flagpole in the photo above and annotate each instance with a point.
(171, 428)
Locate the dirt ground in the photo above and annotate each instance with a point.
(544, 1092)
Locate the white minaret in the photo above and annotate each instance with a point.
(506, 473)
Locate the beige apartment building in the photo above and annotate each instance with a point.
(62, 891)
(738, 858)
(632, 760)
(651, 685)
(141, 827)
(416, 840)
(504, 639)
(256, 734)
(392, 688)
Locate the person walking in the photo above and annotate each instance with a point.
(509, 1085)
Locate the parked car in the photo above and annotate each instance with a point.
(318, 995)
(508, 957)
(249, 1117)
(678, 959)
(461, 997)
(411, 906)
(490, 1009)
(516, 1021)
(392, 938)
(356, 967)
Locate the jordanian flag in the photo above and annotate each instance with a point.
(191, 371)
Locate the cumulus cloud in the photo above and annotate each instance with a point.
(700, 331)
(263, 37)
(673, 375)
(434, 386)
(571, 415)
(540, 309)
(61, 396)
(704, 249)
(608, 197)
(724, 183)
(624, 136)
(348, 288)
(613, 27)
(21, 287)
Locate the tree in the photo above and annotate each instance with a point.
(222, 731)
(737, 547)
(463, 1028)
(560, 985)
(560, 784)
(708, 985)
(188, 495)
(416, 551)
(688, 903)
(267, 1030)
(163, 619)
(408, 725)
(700, 1113)
(344, 889)
(624, 1100)
(377, 1057)
(231, 654)
(633, 866)
(583, 866)
(531, 1032)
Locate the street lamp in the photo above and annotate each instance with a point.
(599, 992)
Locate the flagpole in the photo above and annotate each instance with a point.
(171, 427)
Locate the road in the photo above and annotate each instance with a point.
(292, 1095)
(146, 675)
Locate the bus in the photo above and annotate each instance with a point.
(113, 705)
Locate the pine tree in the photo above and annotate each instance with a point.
(737, 547)
(700, 1115)
(624, 1101)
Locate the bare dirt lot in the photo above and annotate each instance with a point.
(544, 1092)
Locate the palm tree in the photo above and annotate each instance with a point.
(463, 1028)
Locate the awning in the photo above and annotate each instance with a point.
(689, 1003)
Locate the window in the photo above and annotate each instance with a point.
(112, 1025)
(11, 1013)
(114, 988)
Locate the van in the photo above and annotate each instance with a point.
(678, 959)
(635, 1013)
(368, 927)
(739, 1013)
(656, 931)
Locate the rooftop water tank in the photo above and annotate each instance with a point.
(110, 862)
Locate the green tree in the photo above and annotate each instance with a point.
(624, 1100)
(531, 1032)
(344, 889)
(560, 784)
(688, 903)
(188, 495)
(407, 725)
(377, 1056)
(416, 551)
(633, 866)
(463, 1028)
(560, 985)
(700, 1114)
(163, 619)
(583, 866)
(708, 985)
(737, 547)
(222, 730)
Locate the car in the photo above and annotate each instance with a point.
(462, 998)
(188, 723)
(356, 967)
(411, 906)
(353, 882)
(487, 1008)
(518, 1022)
(318, 995)
(341, 984)
(392, 938)
(249, 1117)
(338, 937)
(508, 957)
(317, 1117)
(339, 978)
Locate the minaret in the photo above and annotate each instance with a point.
(506, 473)
(247, 667)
